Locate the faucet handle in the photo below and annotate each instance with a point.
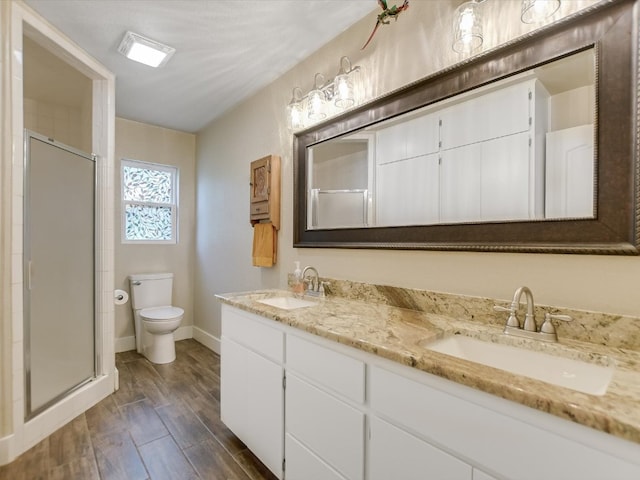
(548, 327)
(512, 321)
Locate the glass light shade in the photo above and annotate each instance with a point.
(343, 88)
(535, 11)
(295, 115)
(467, 28)
(295, 111)
(318, 99)
(317, 105)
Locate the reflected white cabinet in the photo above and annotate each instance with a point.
(408, 191)
(413, 138)
(251, 396)
(491, 180)
(569, 174)
(395, 453)
(505, 111)
(460, 184)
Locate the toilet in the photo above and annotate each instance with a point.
(155, 318)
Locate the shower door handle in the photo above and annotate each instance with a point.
(29, 273)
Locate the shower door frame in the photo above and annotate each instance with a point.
(97, 344)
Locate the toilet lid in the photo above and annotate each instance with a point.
(161, 313)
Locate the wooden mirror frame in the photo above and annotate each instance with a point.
(611, 29)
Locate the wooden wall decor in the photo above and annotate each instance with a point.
(265, 191)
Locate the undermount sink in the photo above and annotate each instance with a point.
(287, 303)
(564, 372)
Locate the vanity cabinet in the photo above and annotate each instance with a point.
(251, 378)
(351, 415)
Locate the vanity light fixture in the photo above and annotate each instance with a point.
(144, 50)
(467, 27)
(535, 11)
(326, 97)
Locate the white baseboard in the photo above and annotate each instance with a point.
(206, 339)
(125, 344)
(183, 333)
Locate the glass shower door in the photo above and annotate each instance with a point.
(59, 300)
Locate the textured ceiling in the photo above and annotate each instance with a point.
(225, 50)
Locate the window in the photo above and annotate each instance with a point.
(149, 202)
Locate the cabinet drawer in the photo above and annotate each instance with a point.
(251, 331)
(302, 464)
(340, 373)
(259, 209)
(489, 439)
(328, 427)
(394, 453)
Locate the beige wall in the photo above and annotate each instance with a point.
(417, 45)
(57, 98)
(139, 141)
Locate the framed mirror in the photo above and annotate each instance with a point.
(530, 147)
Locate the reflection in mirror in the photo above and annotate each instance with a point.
(518, 149)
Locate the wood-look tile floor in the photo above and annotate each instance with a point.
(163, 423)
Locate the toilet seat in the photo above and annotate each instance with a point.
(158, 314)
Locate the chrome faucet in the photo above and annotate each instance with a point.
(529, 329)
(316, 287)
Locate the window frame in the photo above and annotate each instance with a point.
(175, 176)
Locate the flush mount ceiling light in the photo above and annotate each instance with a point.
(144, 50)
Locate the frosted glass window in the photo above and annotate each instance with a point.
(149, 202)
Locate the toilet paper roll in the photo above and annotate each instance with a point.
(120, 297)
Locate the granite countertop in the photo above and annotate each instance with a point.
(396, 334)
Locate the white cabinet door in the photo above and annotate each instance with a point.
(422, 135)
(505, 186)
(331, 429)
(390, 144)
(408, 192)
(252, 402)
(265, 411)
(302, 464)
(460, 172)
(251, 393)
(569, 173)
(394, 453)
(233, 386)
(412, 138)
(502, 112)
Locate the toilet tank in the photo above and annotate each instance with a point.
(151, 290)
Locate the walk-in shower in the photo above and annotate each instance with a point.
(59, 271)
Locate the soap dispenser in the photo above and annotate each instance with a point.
(298, 283)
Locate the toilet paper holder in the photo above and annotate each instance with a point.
(120, 297)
